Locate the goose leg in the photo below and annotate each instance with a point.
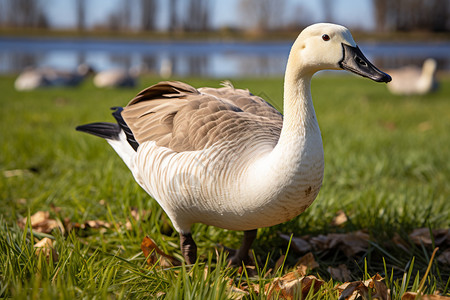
(188, 248)
(242, 253)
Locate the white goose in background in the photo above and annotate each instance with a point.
(413, 80)
(117, 78)
(33, 78)
(225, 157)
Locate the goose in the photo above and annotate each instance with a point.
(225, 157)
(116, 78)
(411, 80)
(166, 68)
(33, 78)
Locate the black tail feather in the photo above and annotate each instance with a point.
(117, 114)
(111, 131)
(101, 129)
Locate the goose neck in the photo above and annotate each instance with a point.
(299, 114)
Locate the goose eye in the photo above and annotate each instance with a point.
(325, 37)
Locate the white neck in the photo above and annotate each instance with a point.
(295, 165)
(299, 114)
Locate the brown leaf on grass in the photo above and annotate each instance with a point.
(291, 285)
(55, 209)
(381, 289)
(435, 297)
(340, 273)
(96, 224)
(352, 290)
(349, 243)
(249, 270)
(16, 172)
(140, 215)
(41, 222)
(305, 263)
(90, 224)
(45, 247)
(297, 244)
(401, 243)
(422, 236)
(409, 296)
(413, 296)
(237, 293)
(154, 254)
(444, 257)
(279, 262)
(137, 215)
(339, 219)
(22, 201)
(371, 282)
(244, 289)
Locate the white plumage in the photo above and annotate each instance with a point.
(116, 78)
(33, 78)
(411, 80)
(225, 157)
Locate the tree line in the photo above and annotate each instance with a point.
(196, 15)
(407, 15)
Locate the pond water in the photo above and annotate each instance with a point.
(200, 58)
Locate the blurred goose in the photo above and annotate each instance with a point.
(225, 157)
(412, 80)
(166, 68)
(116, 78)
(32, 78)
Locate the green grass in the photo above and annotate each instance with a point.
(387, 166)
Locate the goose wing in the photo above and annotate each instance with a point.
(177, 116)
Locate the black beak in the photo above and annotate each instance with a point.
(355, 61)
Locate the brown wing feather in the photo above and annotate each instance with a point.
(182, 118)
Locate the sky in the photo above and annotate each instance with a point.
(349, 13)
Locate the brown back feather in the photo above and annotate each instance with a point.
(177, 116)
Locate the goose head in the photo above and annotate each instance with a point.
(429, 67)
(327, 46)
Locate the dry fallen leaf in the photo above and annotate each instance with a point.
(339, 219)
(291, 285)
(409, 296)
(16, 172)
(380, 288)
(349, 243)
(97, 224)
(444, 257)
(45, 247)
(422, 236)
(351, 290)
(305, 263)
(413, 295)
(140, 215)
(435, 297)
(340, 273)
(297, 244)
(397, 240)
(154, 254)
(41, 222)
(279, 262)
(237, 293)
(137, 215)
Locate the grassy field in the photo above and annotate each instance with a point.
(387, 167)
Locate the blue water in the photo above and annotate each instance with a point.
(201, 58)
